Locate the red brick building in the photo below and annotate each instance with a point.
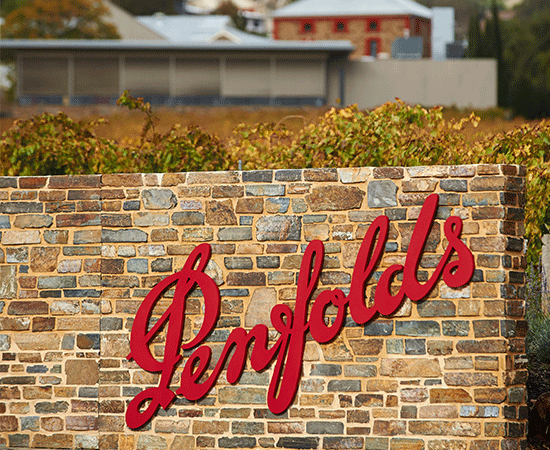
(371, 25)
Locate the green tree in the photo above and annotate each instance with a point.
(7, 6)
(228, 8)
(59, 19)
(475, 39)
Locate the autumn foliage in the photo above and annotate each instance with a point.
(394, 134)
(59, 19)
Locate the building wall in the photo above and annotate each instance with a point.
(357, 30)
(80, 253)
(464, 83)
(105, 75)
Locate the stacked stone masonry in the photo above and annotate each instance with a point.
(79, 254)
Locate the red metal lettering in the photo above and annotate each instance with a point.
(288, 350)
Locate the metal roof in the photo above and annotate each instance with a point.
(339, 8)
(197, 29)
(162, 45)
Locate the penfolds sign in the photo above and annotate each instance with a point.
(455, 267)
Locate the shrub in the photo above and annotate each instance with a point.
(394, 134)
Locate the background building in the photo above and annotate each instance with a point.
(371, 25)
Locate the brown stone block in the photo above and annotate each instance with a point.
(220, 213)
(366, 346)
(44, 259)
(122, 180)
(81, 423)
(43, 324)
(198, 413)
(15, 323)
(27, 307)
(82, 371)
(112, 266)
(282, 248)
(495, 429)
(494, 308)
(210, 427)
(358, 416)
(173, 179)
(27, 282)
(59, 207)
(323, 400)
(488, 184)
(84, 406)
(444, 444)
(52, 196)
(37, 392)
(285, 427)
(470, 379)
(78, 323)
(65, 391)
(482, 346)
(246, 279)
(60, 441)
(111, 206)
(37, 342)
(89, 206)
(438, 412)
(163, 235)
(114, 377)
(488, 244)
(213, 177)
(471, 429)
(335, 198)
(250, 206)
(413, 367)
(393, 173)
(51, 423)
(109, 442)
(75, 182)
(77, 220)
(26, 293)
(490, 395)
(439, 395)
(32, 182)
(227, 191)
(87, 194)
(389, 427)
(488, 169)
(488, 212)
(92, 265)
(406, 444)
(8, 423)
(10, 393)
(111, 424)
(320, 175)
(116, 220)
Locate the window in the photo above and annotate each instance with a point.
(373, 25)
(307, 26)
(340, 26)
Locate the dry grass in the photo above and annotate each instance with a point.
(123, 125)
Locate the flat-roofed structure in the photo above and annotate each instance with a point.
(266, 72)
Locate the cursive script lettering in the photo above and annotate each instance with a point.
(288, 350)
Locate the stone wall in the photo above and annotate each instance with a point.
(79, 254)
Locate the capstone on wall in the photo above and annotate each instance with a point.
(80, 253)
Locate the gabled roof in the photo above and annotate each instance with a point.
(127, 25)
(197, 29)
(333, 8)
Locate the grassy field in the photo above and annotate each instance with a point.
(123, 125)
